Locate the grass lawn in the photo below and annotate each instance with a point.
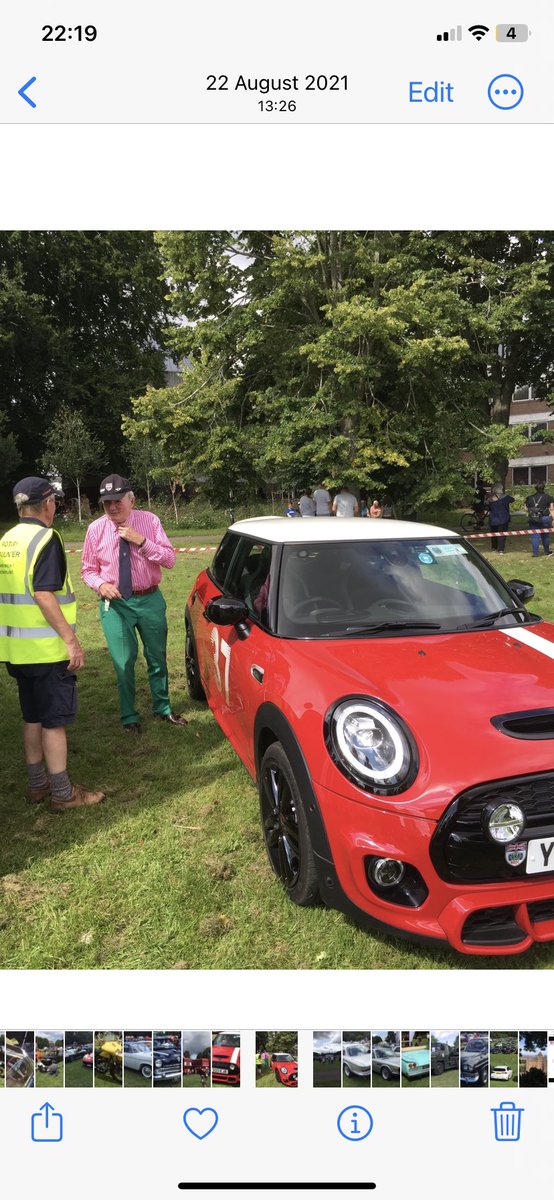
(43, 1080)
(448, 1079)
(268, 1080)
(170, 872)
(193, 1081)
(421, 1081)
(134, 1079)
(327, 1074)
(78, 1076)
(105, 1081)
(356, 1081)
(377, 1081)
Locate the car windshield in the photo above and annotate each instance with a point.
(385, 1052)
(227, 1039)
(283, 1058)
(390, 587)
(476, 1046)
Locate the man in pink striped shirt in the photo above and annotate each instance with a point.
(123, 555)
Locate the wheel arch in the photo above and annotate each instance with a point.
(272, 726)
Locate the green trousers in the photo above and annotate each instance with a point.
(121, 622)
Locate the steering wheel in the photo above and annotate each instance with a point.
(305, 607)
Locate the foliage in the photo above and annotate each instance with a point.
(383, 360)
(81, 320)
(10, 457)
(71, 449)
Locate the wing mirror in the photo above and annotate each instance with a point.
(522, 590)
(225, 610)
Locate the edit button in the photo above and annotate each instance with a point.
(437, 92)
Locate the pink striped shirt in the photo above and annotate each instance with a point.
(100, 558)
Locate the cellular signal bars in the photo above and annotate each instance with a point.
(455, 35)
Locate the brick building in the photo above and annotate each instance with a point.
(535, 461)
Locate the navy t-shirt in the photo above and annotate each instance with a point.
(50, 567)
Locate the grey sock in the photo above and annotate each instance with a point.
(61, 786)
(36, 775)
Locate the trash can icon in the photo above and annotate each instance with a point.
(507, 1122)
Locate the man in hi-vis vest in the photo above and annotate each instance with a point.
(38, 642)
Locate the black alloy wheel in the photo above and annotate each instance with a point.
(285, 827)
(439, 1068)
(192, 670)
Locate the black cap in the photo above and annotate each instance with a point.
(34, 489)
(114, 485)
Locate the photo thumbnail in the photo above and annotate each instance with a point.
(504, 1065)
(356, 1059)
(445, 1058)
(533, 1061)
(226, 1059)
(474, 1059)
(79, 1058)
(197, 1054)
(49, 1058)
(108, 1059)
(416, 1058)
(327, 1052)
(20, 1062)
(385, 1058)
(282, 460)
(168, 1058)
(137, 1059)
(276, 1059)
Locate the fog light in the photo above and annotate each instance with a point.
(387, 872)
(505, 823)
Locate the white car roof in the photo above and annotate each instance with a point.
(335, 529)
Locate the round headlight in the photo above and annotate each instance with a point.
(505, 823)
(369, 742)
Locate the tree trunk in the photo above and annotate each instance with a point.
(148, 491)
(173, 486)
(500, 415)
(78, 482)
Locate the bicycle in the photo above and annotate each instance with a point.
(471, 522)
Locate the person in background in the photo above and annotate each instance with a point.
(364, 510)
(389, 511)
(376, 509)
(540, 518)
(306, 503)
(345, 504)
(499, 516)
(39, 645)
(322, 500)
(123, 555)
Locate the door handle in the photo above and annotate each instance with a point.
(257, 673)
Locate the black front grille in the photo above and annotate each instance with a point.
(541, 910)
(492, 927)
(462, 853)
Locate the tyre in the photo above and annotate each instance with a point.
(146, 1071)
(468, 522)
(386, 1074)
(286, 833)
(102, 1066)
(277, 1076)
(439, 1068)
(484, 1077)
(192, 671)
(347, 1071)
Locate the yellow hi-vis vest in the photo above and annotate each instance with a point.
(25, 635)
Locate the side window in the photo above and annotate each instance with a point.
(249, 576)
(223, 557)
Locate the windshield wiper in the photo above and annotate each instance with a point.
(490, 617)
(381, 625)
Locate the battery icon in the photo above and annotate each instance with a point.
(512, 33)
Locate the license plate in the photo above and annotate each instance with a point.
(220, 1070)
(540, 856)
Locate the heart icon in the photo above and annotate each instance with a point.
(200, 1121)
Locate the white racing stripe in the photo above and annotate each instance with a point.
(533, 640)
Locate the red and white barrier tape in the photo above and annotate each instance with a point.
(507, 533)
(179, 549)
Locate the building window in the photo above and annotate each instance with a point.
(538, 432)
(538, 475)
(521, 476)
(525, 476)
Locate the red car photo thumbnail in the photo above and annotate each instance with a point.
(391, 696)
(226, 1058)
(285, 1069)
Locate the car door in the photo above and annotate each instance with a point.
(240, 657)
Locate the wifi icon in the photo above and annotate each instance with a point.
(478, 31)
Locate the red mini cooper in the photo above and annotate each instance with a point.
(393, 698)
(285, 1069)
(226, 1058)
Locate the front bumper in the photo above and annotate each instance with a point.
(482, 919)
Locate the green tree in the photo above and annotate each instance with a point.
(144, 457)
(71, 449)
(381, 359)
(81, 322)
(10, 457)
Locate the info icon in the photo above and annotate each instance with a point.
(355, 1123)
